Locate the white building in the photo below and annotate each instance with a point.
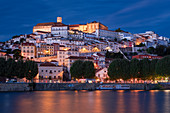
(102, 74)
(59, 29)
(50, 71)
(63, 54)
(105, 33)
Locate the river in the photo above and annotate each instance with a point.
(134, 101)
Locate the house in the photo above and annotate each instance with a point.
(101, 74)
(28, 50)
(50, 71)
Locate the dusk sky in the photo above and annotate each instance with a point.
(136, 16)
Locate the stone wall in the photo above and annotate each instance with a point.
(15, 87)
(69, 86)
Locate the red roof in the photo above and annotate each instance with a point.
(79, 57)
(75, 25)
(58, 24)
(146, 56)
(27, 44)
(48, 64)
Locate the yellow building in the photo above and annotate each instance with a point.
(89, 27)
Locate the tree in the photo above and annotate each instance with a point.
(151, 50)
(17, 54)
(89, 71)
(113, 55)
(153, 74)
(168, 50)
(15, 36)
(119, 69)
(2, 67)
(10, 68)
(31, 70)
(125, 64)
(119, 30)
(20, 69)
(144, 69)
(135, 68)
(160, 50)
(163, 67)
(76, 69)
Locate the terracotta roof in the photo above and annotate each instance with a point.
(75, 25)
(48, 64)
(58, 24)
(27, 44)
(45, 24)
(53, 61)
(80, 57)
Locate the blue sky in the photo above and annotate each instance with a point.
(19, 16)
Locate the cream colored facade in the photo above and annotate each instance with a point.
(89, 27)
(28, 50)
(63, 54)
(53, 72)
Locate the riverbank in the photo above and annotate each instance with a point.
(73, 86)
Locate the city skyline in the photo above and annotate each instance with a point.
(19, 17)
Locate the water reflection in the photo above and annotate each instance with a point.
(136, 101)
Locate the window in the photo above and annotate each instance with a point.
(50, 71)
(46, 70)
(54, 70)
(54, 77)
(98, 75)
(41, 70)
(58, 70)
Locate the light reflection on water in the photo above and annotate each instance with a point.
(135, 101)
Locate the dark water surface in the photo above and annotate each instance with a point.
(85, 102)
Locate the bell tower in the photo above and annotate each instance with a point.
(59, 19)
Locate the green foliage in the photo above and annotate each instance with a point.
(119, 30)
(82, 69)
(135, 68)
(140, 45)
(160, 50)
(19, 69)
(163, 67)
(2, 67)
(17, 54)
(119, 69)
(89, 71)
(151, 50)
(31, 70)
(113, 55)
(153, 74)
(15, 36)
(145, 69)
(76, 69)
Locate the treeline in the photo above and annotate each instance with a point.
(82, 69)
(160, 50)
(124, 69)
(140, 69)
(20, 69)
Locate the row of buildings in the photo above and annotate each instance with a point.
(55, 46)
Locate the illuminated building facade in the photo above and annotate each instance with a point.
(89, 27)
(50, 71)
(45, 50)
(28, 50)
(63, 54)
